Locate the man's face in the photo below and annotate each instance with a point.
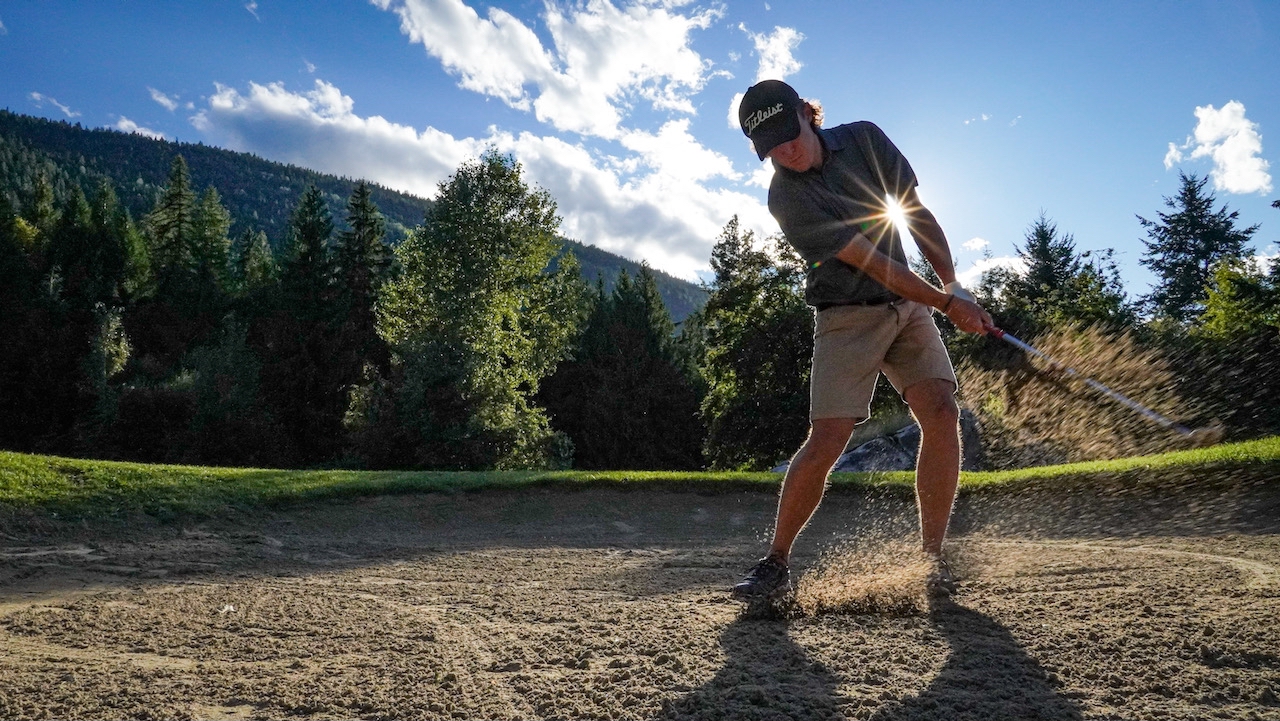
(804, 152)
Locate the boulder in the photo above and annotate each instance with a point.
(877, 454)
(897, 451)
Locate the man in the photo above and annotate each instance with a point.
(831, 195)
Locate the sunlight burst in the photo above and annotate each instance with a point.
(896, 214)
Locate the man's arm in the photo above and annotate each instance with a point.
(929, 237)
(897, 277)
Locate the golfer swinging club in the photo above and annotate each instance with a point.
(829, 194)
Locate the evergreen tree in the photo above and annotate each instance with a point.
(253, 265)
(1051, 264)
(361, 264)
(308, 270)
(1183, 247)
(41, 212)
(759, 343)
(477, 323)
(171, 226)
(1059, 286)
(626, 398)
(70, 247)
(301, 374)
(114, 247)
(209, 251)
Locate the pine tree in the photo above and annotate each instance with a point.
(209, 251)
(361, 265)
(1183, 247)
(626, 398)
(302, 376)
(41, 212)
(1059, 286)
(308, 270)
(71, 253)
(253, 265)
(1051, 265)
(171, 226)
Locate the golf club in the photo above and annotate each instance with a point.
(1199, 437)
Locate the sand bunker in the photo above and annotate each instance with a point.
(613, 605)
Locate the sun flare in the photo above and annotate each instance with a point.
(897, 215)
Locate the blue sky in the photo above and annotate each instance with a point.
(1083, 110)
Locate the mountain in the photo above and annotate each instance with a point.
(260, 194)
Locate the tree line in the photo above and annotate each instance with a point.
(475, 343)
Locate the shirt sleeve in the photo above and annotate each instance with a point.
(895, 172)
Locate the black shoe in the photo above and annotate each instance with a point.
(942, 582)
(767, 579)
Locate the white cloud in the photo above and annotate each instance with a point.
(319, 130)
(1174, 156)
(658, 202)
(975, 244)
(775, 51)
(310, 66)
(762, 176)
(603, 57)
(3, 30)
(984, 118)
(40, 100)
(972, 275)
(126, 125)
(668, 220)
(673, 152)
(734, 103)
(168, 103)
(252, 7)
(1234, 144)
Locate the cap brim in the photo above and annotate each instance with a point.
(782, 128)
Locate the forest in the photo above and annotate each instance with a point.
(158, 325)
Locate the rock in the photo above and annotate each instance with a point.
(897, 451)
(877, 454)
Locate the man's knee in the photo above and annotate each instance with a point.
(828, 437)
(933, 403)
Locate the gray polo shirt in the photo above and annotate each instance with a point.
(819, 210)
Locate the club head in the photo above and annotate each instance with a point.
(1206, 436)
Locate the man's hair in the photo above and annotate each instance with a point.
(815, 107)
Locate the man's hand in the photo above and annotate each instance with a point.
(965, 312)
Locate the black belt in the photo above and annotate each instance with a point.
(875, 301)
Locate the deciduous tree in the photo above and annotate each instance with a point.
(759, 342)
(477, 322)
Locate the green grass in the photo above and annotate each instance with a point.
(74, 488)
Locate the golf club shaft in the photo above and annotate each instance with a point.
(1113, 395)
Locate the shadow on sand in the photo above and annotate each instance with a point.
(987, 675)
(767, 675)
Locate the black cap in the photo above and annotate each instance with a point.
(767, 115)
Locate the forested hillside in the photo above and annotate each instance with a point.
(258, 193)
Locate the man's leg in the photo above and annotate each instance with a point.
(806, 481)
(933, 403)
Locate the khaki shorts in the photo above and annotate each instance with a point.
(852, 344)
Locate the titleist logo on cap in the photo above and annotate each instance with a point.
(753, 120)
